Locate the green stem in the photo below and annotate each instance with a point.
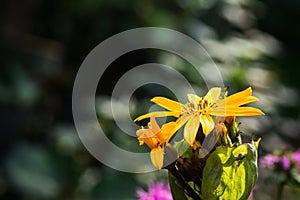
(174, 170)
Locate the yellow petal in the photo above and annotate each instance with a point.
(244, 93)
(141, 142)
(194, 99)
(181, 121)
(219, 110)
(213, 95)
(167, 131)
(153, 124)
(142, 132)
(157, 157)
(191, 129)
(241, 101)
(207, 124)
(157, 114)
(250, 99)
(148, 137)
(235, 102)
(243, 111)
(240, 98)
(167, 103)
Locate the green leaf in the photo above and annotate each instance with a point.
(230, 172)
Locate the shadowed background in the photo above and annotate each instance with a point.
(43, 44)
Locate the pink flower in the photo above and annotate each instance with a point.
(269, 161)
(156, 191)
(296, 157)
(285, 161)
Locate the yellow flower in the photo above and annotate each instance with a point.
(200, 111)
(156, 139)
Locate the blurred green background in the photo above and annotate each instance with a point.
(43, 43)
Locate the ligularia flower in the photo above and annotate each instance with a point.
(200, 110)
(156, 139)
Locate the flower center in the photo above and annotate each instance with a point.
(202, 107)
